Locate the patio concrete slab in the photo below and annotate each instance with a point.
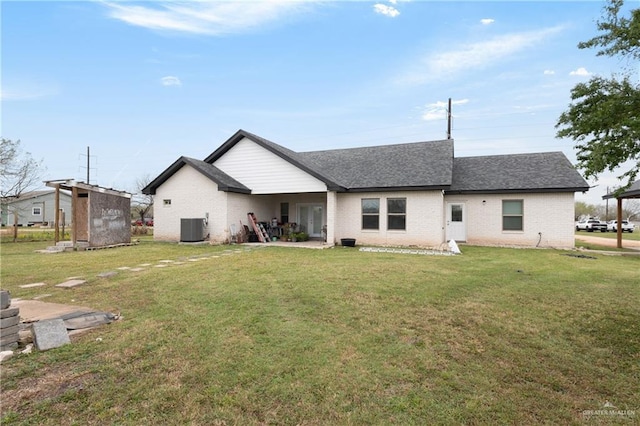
(36, 310)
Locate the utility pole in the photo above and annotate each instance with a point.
(449, 120)
(606, 209)
(88, 167)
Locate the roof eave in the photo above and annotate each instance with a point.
(516, 190)
(398, 188)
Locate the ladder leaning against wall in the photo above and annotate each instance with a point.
(258, 228)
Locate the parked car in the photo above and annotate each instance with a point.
(612, 226)
(591, 225)
(147, 222)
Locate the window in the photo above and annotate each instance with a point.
(36, 211)
(284, 213)
(456, 212)
(396, 213)
(512, 214)
(166, 203)
(370, 213)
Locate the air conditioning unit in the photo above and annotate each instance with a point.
(192, 229)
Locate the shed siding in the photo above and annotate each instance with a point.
(110, 222)
(264, 172)
(192, 195)
(551, 214)
(424, 220)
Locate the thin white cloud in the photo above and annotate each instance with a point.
(549, 72)
(209, 18)
(473, 56)
(487, 21)
(580, 72)
(170, 81)
(438, 110)
(26, 91)
(383, 9)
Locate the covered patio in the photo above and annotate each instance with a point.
(632, 192)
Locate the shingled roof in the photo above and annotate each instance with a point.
(632, 192)
(223, 180)
(408, 166)
(421, 165)
(538, 172)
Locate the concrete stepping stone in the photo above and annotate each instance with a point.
(107, 274)
(123, 268)
(71, 283)
(42, 296)
(162, 265)
(136, 269)
(33, 285)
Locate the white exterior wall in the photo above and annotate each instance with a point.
(192, 195)
(265, 172)
(424, 220)
(551, 214)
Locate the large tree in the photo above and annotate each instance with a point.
(604, 115)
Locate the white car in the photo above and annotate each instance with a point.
(591, 225)
(612, 226)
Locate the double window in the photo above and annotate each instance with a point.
(396, 213)
(512, 215)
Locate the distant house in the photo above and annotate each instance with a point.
(411, 194)
(35, 208)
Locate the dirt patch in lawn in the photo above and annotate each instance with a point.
(50, 383)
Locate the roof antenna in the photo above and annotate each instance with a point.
(449, 120)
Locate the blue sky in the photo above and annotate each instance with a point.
(142, 83)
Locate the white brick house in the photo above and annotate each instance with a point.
(415, 194)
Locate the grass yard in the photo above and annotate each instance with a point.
(297, 336)
(626, 236)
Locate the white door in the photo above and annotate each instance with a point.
(456, 228)
(310, 219)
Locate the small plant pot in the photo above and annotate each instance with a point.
(348, 242)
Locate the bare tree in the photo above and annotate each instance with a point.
(631, 209)
(19, 173)
(142, 203)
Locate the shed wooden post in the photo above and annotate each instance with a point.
(74, 214)
(57, 218)
(619, 225)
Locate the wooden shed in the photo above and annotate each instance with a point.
(100, 216)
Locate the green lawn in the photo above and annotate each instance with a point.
(299, 336)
